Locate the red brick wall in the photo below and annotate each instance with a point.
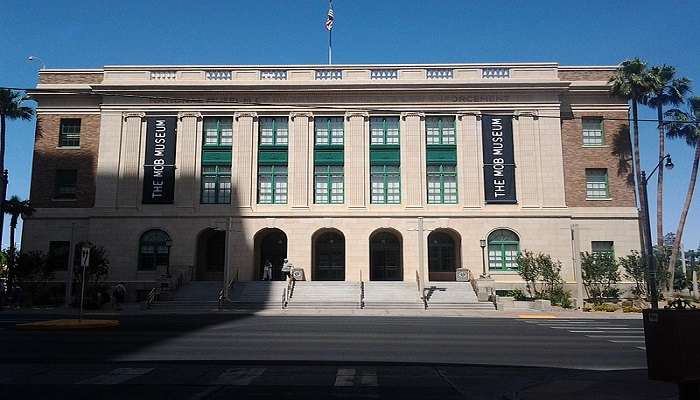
(577, 158)
(48, 157)
(585, 75)
(70, 77)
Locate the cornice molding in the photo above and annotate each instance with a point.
(189, 114)
(363, 114)
(307, 114)
(139, 115)
(251, 114)
(412, 114)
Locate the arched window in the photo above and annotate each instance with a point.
(504, 247)
(154, 250)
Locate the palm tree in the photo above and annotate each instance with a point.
(633, 81)
(670, 91)
(685, 125)
(15, 207)
(10, 108)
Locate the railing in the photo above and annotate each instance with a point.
(218, 75)
(284, 298)
(421, 291)
(439, 73)
(288, 291)
(152, 296)
(362, 292)
(384, 74)
(273, 74)
(222, 293)
(329, 74)
(496, 72)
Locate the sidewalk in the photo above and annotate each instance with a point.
(136, 309)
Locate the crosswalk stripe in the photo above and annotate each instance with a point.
(642, 348)
(626, 341)
(116, 376)
(345, 377)
(615, 337)
(368, 378)
(238, 376)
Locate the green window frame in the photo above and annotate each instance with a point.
(272, 184)
(69, 134)
(440, 130)
(329, 131)
(384, 131)
(503, 250)
(216, 184)
(154, 250)
(329, 184)
(385, 182)
(593, 133)
(442, 184)
(218, 132)
(597, 186)
(603, 247)
(274, 131)
(66, 185)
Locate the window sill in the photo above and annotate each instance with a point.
(503, 272)
(62, 200)
(595, 146)
(68, 147)
(599, 199)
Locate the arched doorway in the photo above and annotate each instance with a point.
(443, 256)
(329, 256)
(211, 255)
(271, 244)
(385, 257)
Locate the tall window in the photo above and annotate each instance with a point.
(599, 247)
(386, 184)
(216, 160)
(69, 136)
(384, 130)
(59, 255)
(154, 250)
(503, 248)
(597, 184)
(592, 131)
(272, 184)
(328, 184)
(274, 131)
(440, 130)
(329, 131)
(66, 184)
(442, 184)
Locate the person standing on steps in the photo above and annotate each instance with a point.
(267, 271)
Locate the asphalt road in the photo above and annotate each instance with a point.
(205, 356)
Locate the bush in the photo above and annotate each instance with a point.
(534, 268)
(631, 309)
(518, 295)
(561, 297)
(607, 307)
(600, 272)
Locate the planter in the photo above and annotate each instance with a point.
(671, 344)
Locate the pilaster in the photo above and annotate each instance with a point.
(300, 137)
(106, 180)
(186, 159)
(130, 160)
(469, 163)
(529, 164)
(356, 163)
(551, 160)
(413, 160)
(243, 157)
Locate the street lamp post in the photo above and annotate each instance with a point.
(482, 243)
(651, 259)
(35, 58)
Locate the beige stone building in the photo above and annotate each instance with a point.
(351, 172)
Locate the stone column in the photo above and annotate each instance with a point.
(412, 160)
(243, 158)
(130, 160)
(552, 161)
(356, 174)
(299, 159)
(186, 159)
(469, 162)
(107, 179)
(528, 164)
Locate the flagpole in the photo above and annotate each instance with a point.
(330, 46)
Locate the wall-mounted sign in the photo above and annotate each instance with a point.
(159, 163)
(499, 161)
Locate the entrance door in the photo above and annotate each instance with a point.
(329, 257)
(442, 262)
(211, 255)
(385, 257)
(273, 247)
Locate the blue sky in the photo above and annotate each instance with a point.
(83, 34)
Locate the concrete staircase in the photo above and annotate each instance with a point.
(325, 295)
(454, 295)
(256, 295)
(194, 297)
(392, 295)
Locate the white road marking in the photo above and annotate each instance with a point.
(615, 337)
(238, 376)
(368, 377)
(586, 331)
(345, 377)
(642, 348)
(591, 327)
(626, 341)
(116, 376)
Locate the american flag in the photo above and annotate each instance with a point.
(329, 21)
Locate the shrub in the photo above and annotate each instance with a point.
(561, 297)
(517, 294)
(631, 309)
(600, 272)
(528, 269)
(534, 268)
(635, 269)
(607, 307)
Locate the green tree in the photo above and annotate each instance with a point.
(528, 268)
(633, 81)
(686, 126)
(669, 91)
(15, 208)
(635, 270)
(96, 270)
(600, 272)
(11, 108)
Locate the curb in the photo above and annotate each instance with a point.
(67, 324)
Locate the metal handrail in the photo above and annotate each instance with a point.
(362, 292)
(222, 299)
(284, 298)
(152, 296)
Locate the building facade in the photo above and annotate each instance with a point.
(352, 172)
